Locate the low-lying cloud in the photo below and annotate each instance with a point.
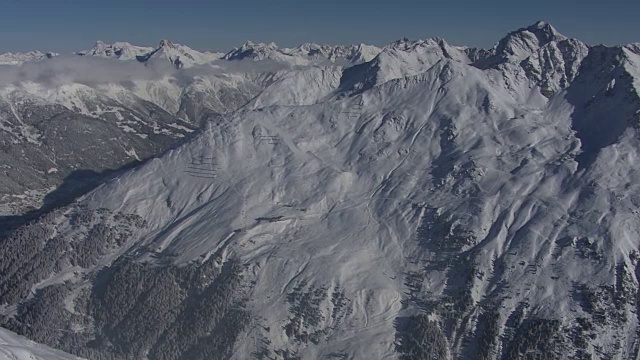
(90, 70)
(85, 70)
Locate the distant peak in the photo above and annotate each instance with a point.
(118, 44)
(405, 44)
(251, 50)
(542, 30)
(166, 43)
(309, 45)
(546, 29)
(121, 43)
(400, 44)
(250, 45)
(404, 40)
(540, 24)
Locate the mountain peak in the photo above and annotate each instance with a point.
(405, 44)
(166, 43)
(252, 50)
(538, 53)
(121, 50)
(545, 31)
(521, 43)
(540, 24)
(259, 45)
(312, 51)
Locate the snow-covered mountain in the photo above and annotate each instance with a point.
(178, 55)
(251, 50)
(129, 107)
(353, 53)
(124, 123)
(119, 50)
(537, 53)
(19, 58)
(303, 54)
(182, 56)
(401, 59)
(435, 202)
(70, 135)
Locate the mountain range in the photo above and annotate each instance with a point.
(303, 54)
(418, 201)
(145, 115)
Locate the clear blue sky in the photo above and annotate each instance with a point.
(68, 25)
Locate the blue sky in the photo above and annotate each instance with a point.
(68, 25)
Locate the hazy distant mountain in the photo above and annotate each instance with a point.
(303, 54)
(19, 58)
(119, 50)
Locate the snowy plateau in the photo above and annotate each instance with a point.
(418, 201)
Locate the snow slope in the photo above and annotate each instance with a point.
(400, 59)
(15, 347)
(300, 87)
(345, 186)
(130, 120)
